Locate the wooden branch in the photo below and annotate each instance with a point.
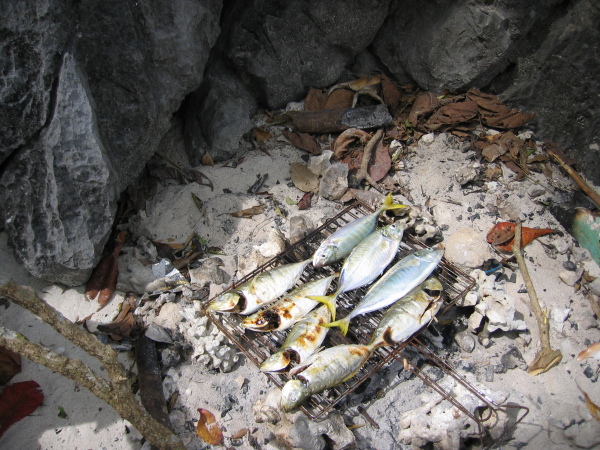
(115, 391)
(363, 172)
(546, 358)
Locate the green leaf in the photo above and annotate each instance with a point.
(289, 201)
(62, 413)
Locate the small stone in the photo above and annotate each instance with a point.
(466, 174)
(489, 374)
(570, 265)
(580, 254)
(536, 191)
(466, 341)
(513, 359)
(588, 372)
(209, 271)
(334, 182)
(570, 277)
(300, 226)
(428, 139)
(467, 248)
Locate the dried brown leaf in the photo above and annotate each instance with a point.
(315, 100)
(303, 178)
(495, 114)
(303, 141)
(240, 434)
(208, 429)
(304, 203)
(382, 162)
(261, 135)
(249, 212)
(207, 159)
(424, 104)
(103, 281)
(390, 93)
(347, 139)
(10, 365)
(492, 152)
(452, 114)
(340, 99)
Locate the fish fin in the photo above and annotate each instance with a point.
(252, 285)
(328, 300)
(388, 203)
(341, 324)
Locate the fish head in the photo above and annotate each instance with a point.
(278, 361)
(324, 255)
(228, 302)
(432, 287)
(394, 231)
(293, 393)
(430, 254)
(267, 320)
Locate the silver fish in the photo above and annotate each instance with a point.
(339, 245)
(260, 291)
(409, 314)
(290, 309)
(366, 262)
(302, 341)
(323, 370)
(398, 281)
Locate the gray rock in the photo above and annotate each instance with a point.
(126, 70)
(466, 341)
(334, 182)
(218, 115)
(283, 48)
(33, 36)
(209, 271)
(59, 195)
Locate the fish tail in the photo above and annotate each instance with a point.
(388, 203)
(342, 324)
(328, 300)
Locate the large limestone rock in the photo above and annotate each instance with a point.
(90, 119)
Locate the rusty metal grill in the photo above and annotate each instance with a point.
(258, 346)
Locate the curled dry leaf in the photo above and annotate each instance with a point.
(240, 434)
(103, 281)
(303, 141)
(303, 178)
(208, 429)
(452, 114)
(424, 104)
(304, 203)
(493, 112)
(207, 159)
(594, 410)
(502, 235)
(346, 139)
(261, 135)
(381, 162)
(249, 212)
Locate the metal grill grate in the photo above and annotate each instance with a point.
(258, 346)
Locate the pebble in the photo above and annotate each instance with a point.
(335, 182)
(570, 277)
(535, 191)
(570, 265)
(465, 340)
(428, 139)
(467, 248)
(580, 254)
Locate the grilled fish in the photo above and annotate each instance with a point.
(323, 370)
(302, 341)
(339, 245)
(398, 281)
(409, 314)
(290, 309)
(366, 262)
(260, 291)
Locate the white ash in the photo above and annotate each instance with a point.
(467, 248)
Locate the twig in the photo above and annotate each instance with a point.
(363, 173)
(578, 180)
(546, 358)
(115, 391)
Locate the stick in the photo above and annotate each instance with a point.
(546, 358)
(115, 391)
(363, 172)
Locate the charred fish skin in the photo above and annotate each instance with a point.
(260, 291)
(302, 341)
(409, 314)
(322, 371)
(339, 245)
(290, 309)
(366, 262)
(398, 281)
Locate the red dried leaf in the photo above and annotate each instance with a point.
(105, 274)
(452, 114)
(208, 428)
(304, 202)
(493, 112)
(382, 162)
(390, 93)
(303, 141)
(424, 104)
(502, 235)
(10, 365)
(17, 401)
(347, 139)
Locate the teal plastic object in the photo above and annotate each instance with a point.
(586, 229)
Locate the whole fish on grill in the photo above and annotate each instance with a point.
(290, 309)
(339, 245)
(398, 281)
(261, 290)
(366, 262)
(323, 370)
(409, 314)
(303, 340)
